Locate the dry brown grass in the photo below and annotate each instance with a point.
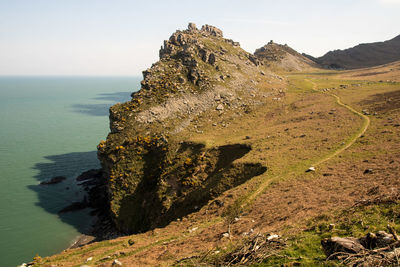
(287, 136)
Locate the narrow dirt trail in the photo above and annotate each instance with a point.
(357, 135)
(366, 123)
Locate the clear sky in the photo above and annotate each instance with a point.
(121, 37)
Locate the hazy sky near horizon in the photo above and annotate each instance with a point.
(121, 37)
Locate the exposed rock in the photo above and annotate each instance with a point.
(353, 245)
(74, 206)
(226, 235)
(220, 107)
(282, 57)
(90, 174)
(214, 31)
(339, 244)
(211, 59)
(116, 263)
(368, 171)
(311, 169)
(192, 27)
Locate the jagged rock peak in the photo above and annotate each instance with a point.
(214, 31)
(187, 37)
(192, 27)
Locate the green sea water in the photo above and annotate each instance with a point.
(49, 126)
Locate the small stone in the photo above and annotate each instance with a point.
(54, 180)
(331, 226)
(367, 171)
(311, 169)
(225, 235)
(272, 237)
(105, 258)
(193, 229)
(89, 259)
(220, 107)
(116, 263)
(247, 137)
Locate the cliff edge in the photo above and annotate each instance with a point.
(158, 160)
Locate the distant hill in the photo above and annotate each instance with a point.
(362, 55)
(283, 57)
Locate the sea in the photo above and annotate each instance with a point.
(49, 126)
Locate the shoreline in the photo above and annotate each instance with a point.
(102, 227)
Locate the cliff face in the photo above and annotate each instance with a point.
(283, 57)
(155, 172)
(363, 55)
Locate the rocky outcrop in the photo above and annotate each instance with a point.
(153, 175)
(283, 57)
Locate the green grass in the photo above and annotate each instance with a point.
(305, 247)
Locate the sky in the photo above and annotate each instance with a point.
(122, 38)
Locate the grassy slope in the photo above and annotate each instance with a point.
(288, 136)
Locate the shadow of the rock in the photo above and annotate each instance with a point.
(101, 109)
(114, 97)
(92, 109)
(219, 174)
(52, 198)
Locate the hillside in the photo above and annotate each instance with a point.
(362, 55)
(156, 170)
(283, 57)
(387, 72)
(218, 161)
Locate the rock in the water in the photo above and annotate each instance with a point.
(75, 206)
(54, 180)
(90, 174)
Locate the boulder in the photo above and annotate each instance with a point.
(339, 244)
(116, 263)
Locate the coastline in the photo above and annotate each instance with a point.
(102, 227)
